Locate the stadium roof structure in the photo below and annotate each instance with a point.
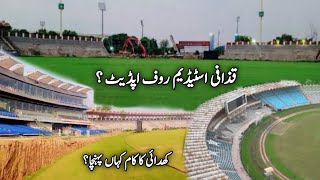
(37, 77)
(11, 64)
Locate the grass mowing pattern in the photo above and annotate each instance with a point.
(83, 70)
(71, 166)
(296, 153)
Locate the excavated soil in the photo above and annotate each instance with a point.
(20, 157)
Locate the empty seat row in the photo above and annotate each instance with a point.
(9, 129)
(283, 98)
(4, 112)
(83, 130)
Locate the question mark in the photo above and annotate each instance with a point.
(85, 157)
(99, 74)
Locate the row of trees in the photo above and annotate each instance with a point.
(114, 43)
(6, 27)
(45, 32)
(280, 39)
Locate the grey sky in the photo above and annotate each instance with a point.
(185, 19)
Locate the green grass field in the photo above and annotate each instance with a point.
(296, 152)
(83, 70)
(71, 166)
(251, 158)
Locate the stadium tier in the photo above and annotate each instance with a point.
(39, 100)
(202, 159)
(4, 112)
(88, 47)
(283, 98)
(15, 129)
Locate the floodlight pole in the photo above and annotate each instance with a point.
(61, 7)
(238, 20)
(142, 26)
(42, 24)
(102, 7)
(218, 38)
(261, 14)
(102, 34)
(60, 23)
(142, 32)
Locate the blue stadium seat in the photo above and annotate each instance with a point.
(83, 130)
(4, 112)
(283, 98)
(299, 98)
(287, 99)
(21, 130)
(221, 153)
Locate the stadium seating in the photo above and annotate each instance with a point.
(4, 112)
(312, 93)
(233, 175)
(70, 117)
(57, 47)
(283, 98)
(221, 153)
(6, 129)
(92, 131)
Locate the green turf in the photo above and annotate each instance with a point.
(296, 153)
(83, 71)
(250, 156)
(71, 166)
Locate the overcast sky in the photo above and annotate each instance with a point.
(184, 19)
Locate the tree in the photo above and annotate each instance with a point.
(26, 32)
(42, 32)
(164, 45)
(242, 38)
(53, 33)
(151, 45)
(4, 27)
(285, 38)
(115, 42)
(69, 33)
(20, 31)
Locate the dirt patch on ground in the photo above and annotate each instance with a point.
(281, 128)
(21, 157)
